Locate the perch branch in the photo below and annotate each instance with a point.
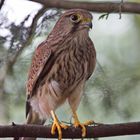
(107, 7)
(102, 130)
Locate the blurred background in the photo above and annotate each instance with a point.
(112, 93)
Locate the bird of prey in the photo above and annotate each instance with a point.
(60, 67)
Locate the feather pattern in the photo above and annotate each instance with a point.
(60, 67)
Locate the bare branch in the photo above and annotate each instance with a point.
(100, 7)
(2, 3)
(102, 130)
(30, 36)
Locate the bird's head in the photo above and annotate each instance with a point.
(74, 20)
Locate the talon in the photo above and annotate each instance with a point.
(53, 129)
(90, 122)
(64, 126)
(82, 125)
(83, 130)
(77, 124)
(57, 125)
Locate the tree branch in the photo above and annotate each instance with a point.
(2, 3)
(102, 130)
(108, 7)
(30, 36)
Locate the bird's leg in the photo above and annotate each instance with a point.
(57, 125)
(82, 125)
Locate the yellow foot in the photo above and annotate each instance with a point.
(57, 125)
(89, 122)
(82, 125)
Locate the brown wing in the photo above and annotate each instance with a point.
(39, 61)
(92, 59)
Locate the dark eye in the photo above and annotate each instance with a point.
(75, 18)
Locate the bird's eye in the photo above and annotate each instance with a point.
(75, 18)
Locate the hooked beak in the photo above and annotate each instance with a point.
(88, 25)
(87, 22)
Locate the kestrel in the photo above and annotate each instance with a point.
(60, 67)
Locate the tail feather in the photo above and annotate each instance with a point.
(32, 118)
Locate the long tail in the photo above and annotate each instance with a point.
(32, 118)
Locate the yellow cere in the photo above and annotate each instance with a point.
(87, 20)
